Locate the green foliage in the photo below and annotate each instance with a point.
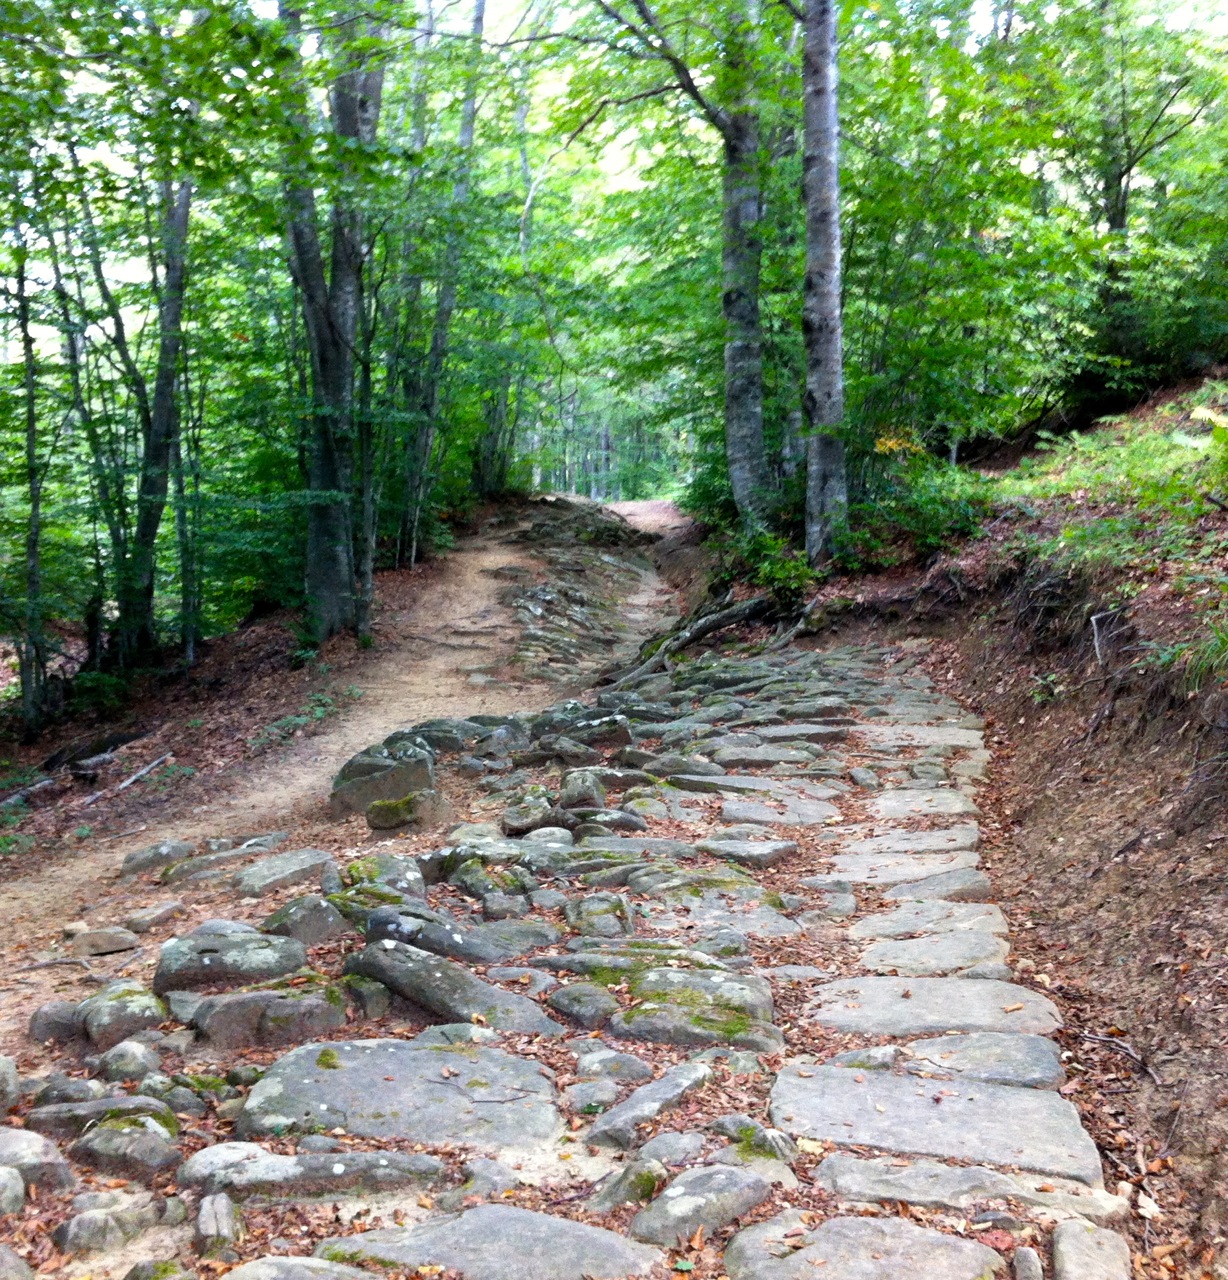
(775, 566)
(319, 706)
(911, 509)
(1208, 659)
(100, 693)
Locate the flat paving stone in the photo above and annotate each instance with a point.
(926, 1182)
(964, 884)
(714, 910)
(930, 1006)
(967, 836)
(741, 757)
(280, 870)
(803, 733)
(855, 1249)
(919, 735)
(499, 1242)
(931, 918)
(749, 853)
(907, 802)
(903, 868)
(932, 957)
(794, 813)
(1027, 1062)
(990, 1124)
(1084, 1252)
(750, 784)
(392, 1089)
(709, 1197)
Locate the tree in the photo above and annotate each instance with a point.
(331, 299)
(822, 327)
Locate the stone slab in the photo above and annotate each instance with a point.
(749, 853)
(904, 868)
(930, 918)
(919, 735)
(392, 1089)
(1028, 1062)
(990, 1124)
(961, 1187)
(855, 1249)
(908, 802)
(499, 1242)
(803, 733)
(931, 1006)
(935, 956)
(280, 870)
(962, 884)
(750, 784)
(1084, 1252)
(967, 836)
(794, 813)
(714, 910)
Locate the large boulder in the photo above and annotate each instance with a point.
(431, 1092)
(369, 777)
(208, 960)
(119, 1010)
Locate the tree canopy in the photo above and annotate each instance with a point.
(287, 290)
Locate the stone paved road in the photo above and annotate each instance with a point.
(604, 985)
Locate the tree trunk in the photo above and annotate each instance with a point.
(449, 282)
(135, 628)
(822, 330)
(743, 248)
(32, 650)
(331, 306)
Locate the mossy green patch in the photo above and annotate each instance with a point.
(328, 1060)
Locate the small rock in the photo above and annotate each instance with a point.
(637, 1183)
(218, 1227)
(148, 918)
(418, 810)
(10, 1084)
(215, 960)
(128, 1060)
(12, 1190)
(56, 1022)
(152, 856)
(548, 899)
(600, 915)
(280, 871)
(1084, 1252)
(36, 1158)
(585, 1003)
(119, 1011)
(127, 1147)
(62, 1088)
(497, 1242)
(617, 1127)
(374, 1000)
(673, 1148)
(595, 1064)
(582, 790)
(591, 1097)
(310, 920)
(504, 906)
(710, 1197)
(1027, 1264)
(13, 1266)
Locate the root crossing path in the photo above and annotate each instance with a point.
(702, 977)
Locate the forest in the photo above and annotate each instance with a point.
(288, 291)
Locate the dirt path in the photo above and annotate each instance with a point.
(434, 653)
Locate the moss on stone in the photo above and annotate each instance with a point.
(328, 1060)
